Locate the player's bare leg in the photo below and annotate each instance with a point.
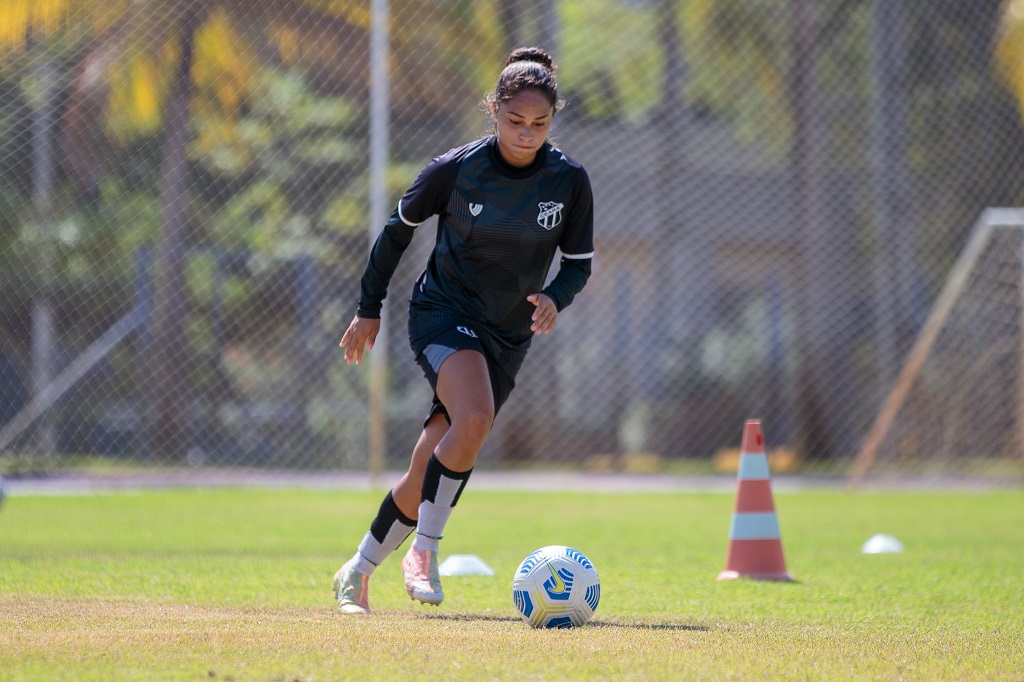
(408, 490)
(464, 388)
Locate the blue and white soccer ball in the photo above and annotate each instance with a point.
(556, 587)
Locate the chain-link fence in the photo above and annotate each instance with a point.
(190, 187)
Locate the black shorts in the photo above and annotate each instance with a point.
(434, 337)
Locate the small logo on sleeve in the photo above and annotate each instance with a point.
(467, 331)
(550, 214)
(475, 209)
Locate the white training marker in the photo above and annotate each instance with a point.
(882, 544)
(464, 564)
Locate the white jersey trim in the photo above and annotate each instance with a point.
(405, 220)
(578, 256)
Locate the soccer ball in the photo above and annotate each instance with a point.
(556, 587)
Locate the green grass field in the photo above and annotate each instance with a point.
(232, 584)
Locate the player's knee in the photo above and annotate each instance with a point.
(474, 422)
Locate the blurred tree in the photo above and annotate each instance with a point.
(743, 60)
(604, 76)
(801, 83)
(160, 68)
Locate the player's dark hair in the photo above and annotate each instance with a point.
(527, 68)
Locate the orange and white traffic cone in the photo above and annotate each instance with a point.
(755, 544)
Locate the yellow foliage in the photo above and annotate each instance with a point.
(144, 95)
(288, 40)
(1009, 48)
(46, 15)
(46, 18)
(224, 63)
(14, 21)
(485, 52)
(355, 12)
(222, 70)
(694, 17)
(136, 94)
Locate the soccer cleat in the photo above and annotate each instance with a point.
(351, 589)
(422, 580)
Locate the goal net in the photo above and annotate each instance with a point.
(956, 407)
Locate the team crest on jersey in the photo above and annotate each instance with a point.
(475, 209)
(550, 214)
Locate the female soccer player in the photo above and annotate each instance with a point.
(504, 203)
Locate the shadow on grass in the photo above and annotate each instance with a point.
(649, 626)
(475, 618)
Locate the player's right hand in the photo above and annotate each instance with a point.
(360, 336)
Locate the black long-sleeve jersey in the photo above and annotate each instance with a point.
(498, 229)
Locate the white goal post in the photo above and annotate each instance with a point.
(64, 381)
(991, 219)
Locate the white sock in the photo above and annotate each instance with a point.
(441, 490)
(387, 532)
(423, 542)
(363, 565)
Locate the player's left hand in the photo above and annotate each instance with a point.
(545, 316)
